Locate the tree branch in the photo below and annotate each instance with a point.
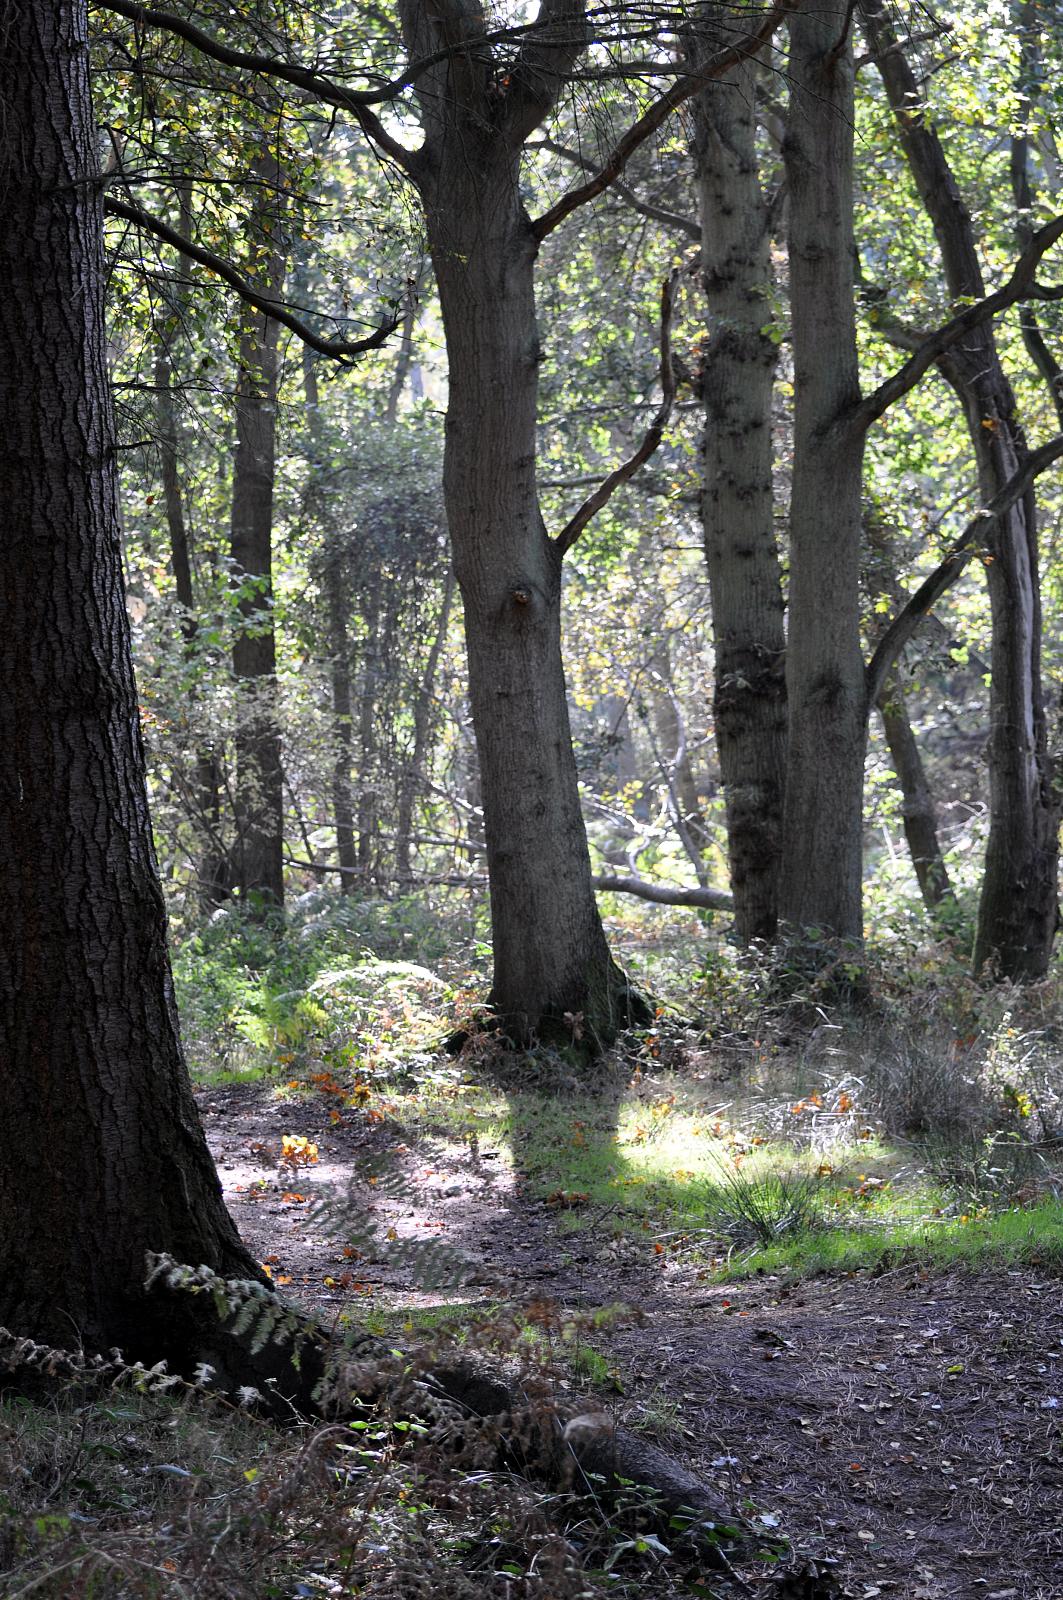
(661, 894)
(670, 219)
(1021, 285)
(339, 349)
(358, 102)
(945, 574)
(656, 114)
(650, 439)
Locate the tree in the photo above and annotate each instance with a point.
(95, 1099)
(1018, 911)
(738, 510)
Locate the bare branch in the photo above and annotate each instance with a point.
(661, 894)
(650, 439)
(670, 219)
(945, 574)
(1020, 286)
(339, 349)
(658, 113)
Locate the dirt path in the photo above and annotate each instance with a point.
(908, 1428)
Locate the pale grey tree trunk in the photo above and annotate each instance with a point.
(741, 551)
(820, 880)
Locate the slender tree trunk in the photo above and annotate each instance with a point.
(337, 607)
(205, 787)
(553, 974)
(102, 1156)
(738, 507)
(368, 757)
(820, 883)
(918, 810)
(259, 773)
(1018, 910)
(423, 720)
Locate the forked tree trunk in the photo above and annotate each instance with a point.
(259, 801)
(738, 505)
(102, 1156)
(553, 973)
(820, 883)
(1018, 909)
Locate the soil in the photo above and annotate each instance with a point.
(904, 1432)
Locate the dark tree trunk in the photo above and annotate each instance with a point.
(1018, 910)
(259, 801)
(820, 883)
(102, 1156)
(738, 507)
(553, 974)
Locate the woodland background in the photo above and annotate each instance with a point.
(741, 935)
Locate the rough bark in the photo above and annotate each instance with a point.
(737, 506)
(1018, 908)
(820, 880)
(259, 799)
(102, 1156)
(551, 960)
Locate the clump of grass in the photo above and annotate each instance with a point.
(765, 1204)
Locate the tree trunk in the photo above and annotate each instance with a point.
(918, 811)
(1018, 910)
(820, 882)
(368, 755)
(259, 867)
(337, 607)
(102, 1157)
(205, 786)
(745, 579)
(553, 974)
(412, 777)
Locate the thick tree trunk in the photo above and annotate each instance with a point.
(745, 579)
(553, 974)
(550, 954)
(259, 868)
(1018, 910)
(102, 1156)
(820, 883)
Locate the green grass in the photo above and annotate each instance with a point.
(1020, 1238)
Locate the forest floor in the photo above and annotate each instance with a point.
(902, 1421)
